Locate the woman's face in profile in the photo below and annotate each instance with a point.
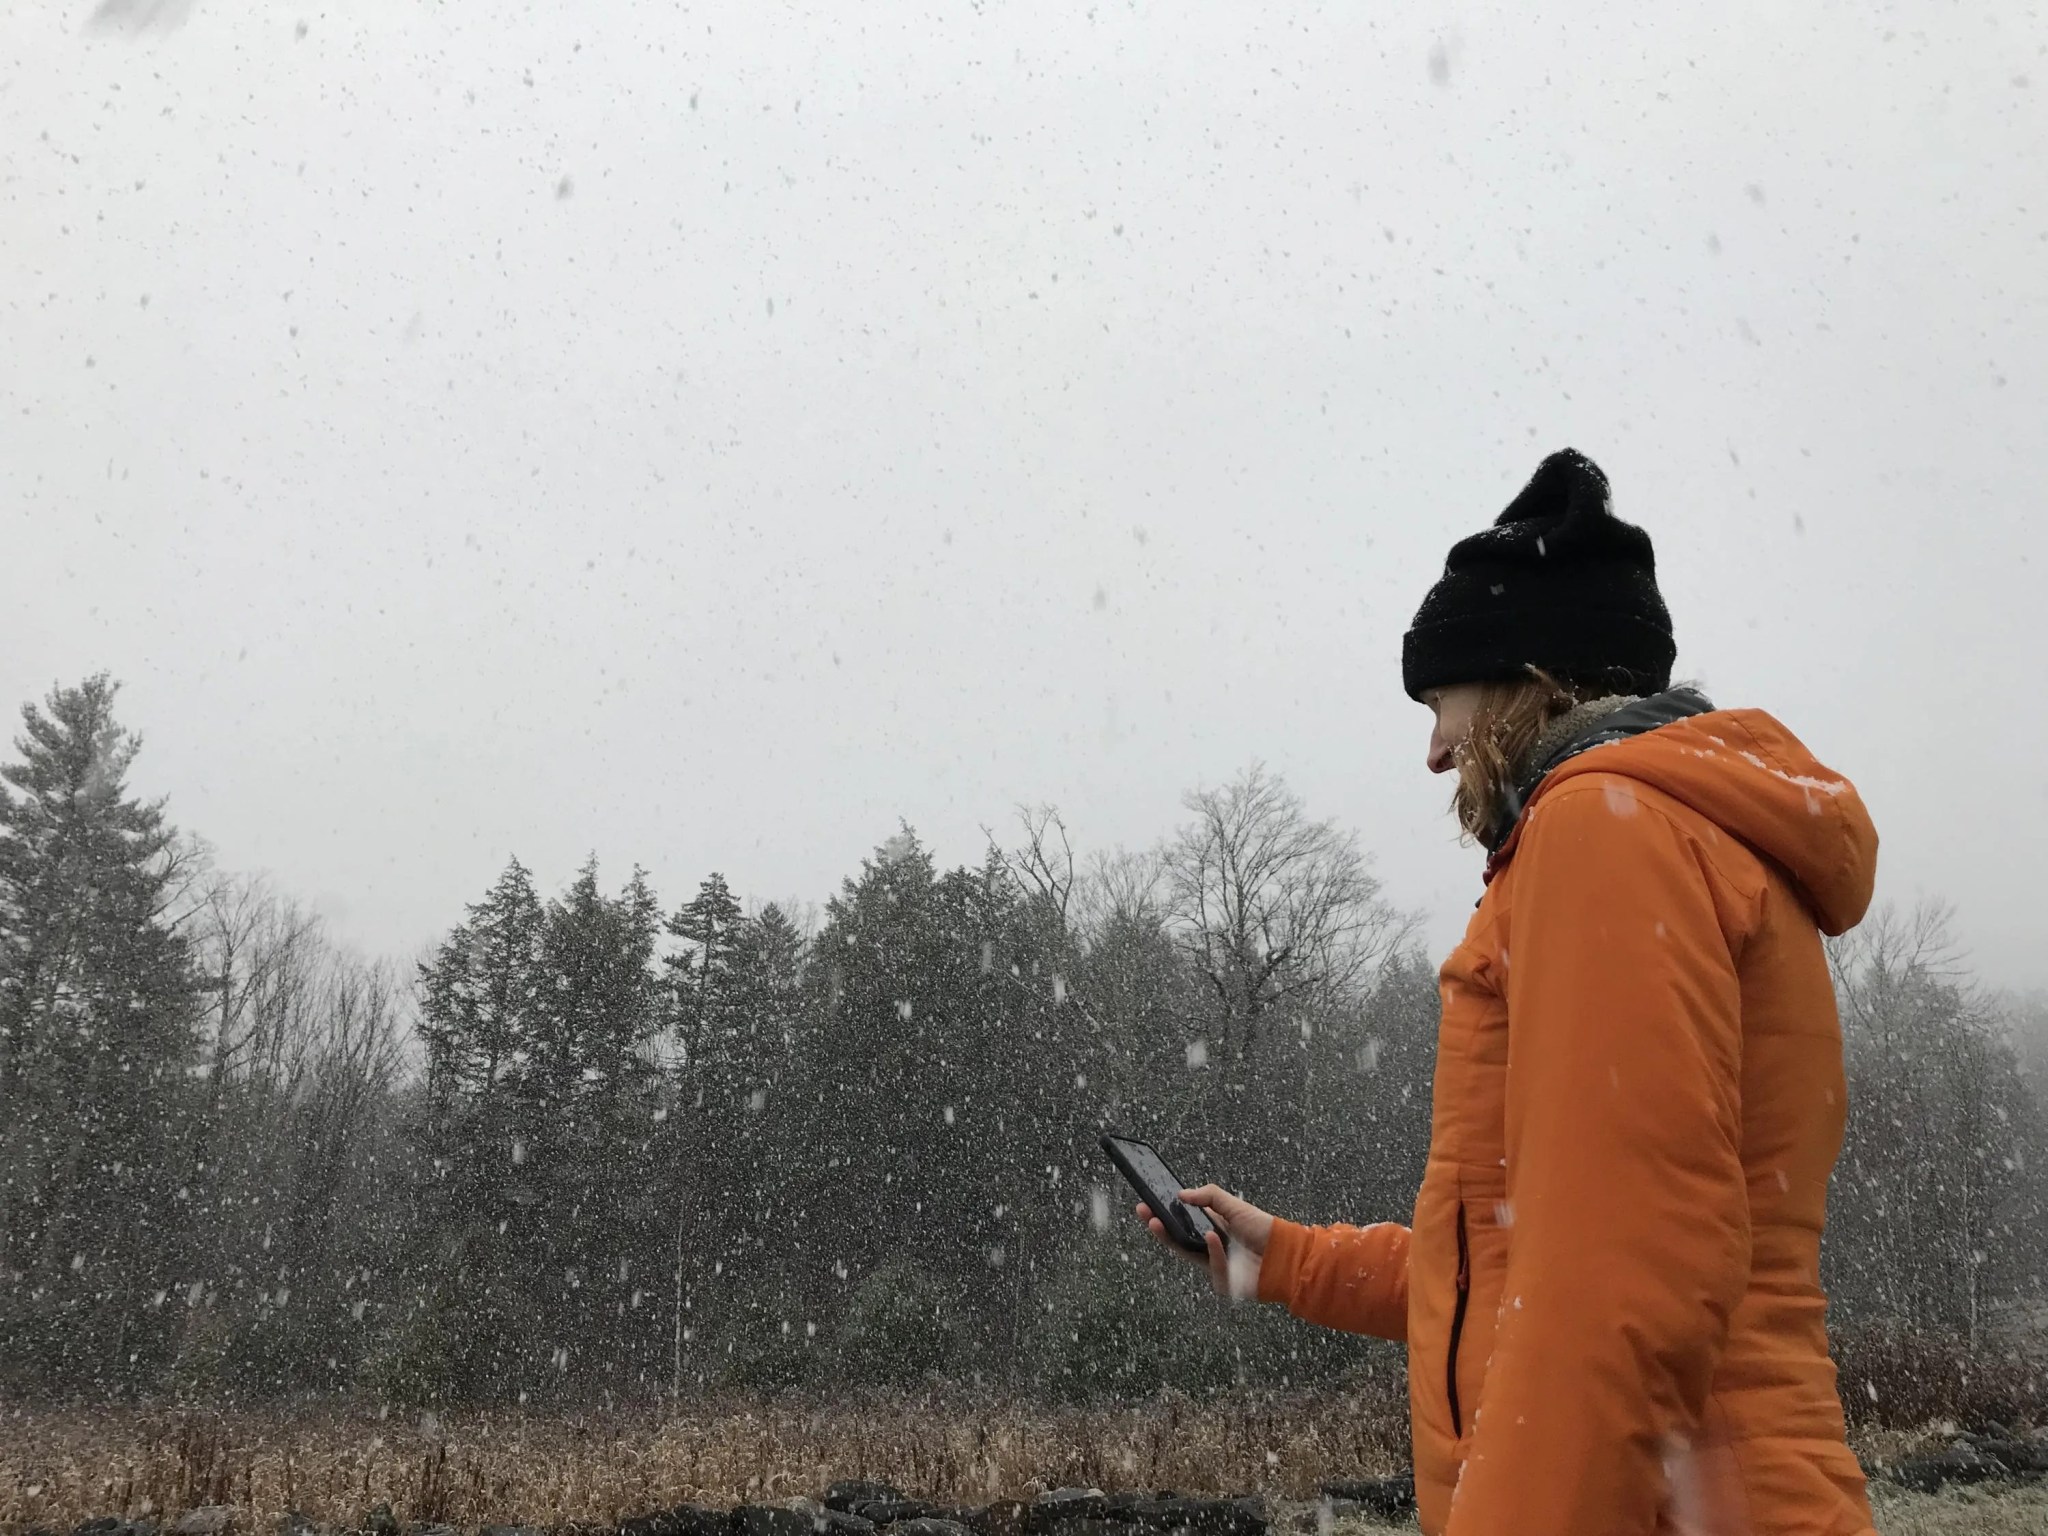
(1452, 709)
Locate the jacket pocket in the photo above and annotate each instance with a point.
(1458, 1326)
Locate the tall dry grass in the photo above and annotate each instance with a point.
(59, 1467)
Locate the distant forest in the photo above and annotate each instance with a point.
(607, 1146)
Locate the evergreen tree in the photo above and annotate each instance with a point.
(711, 924)
(480, 1000)
(874, 1094)
(713, 1174)
(586, 1118)
(98, 1003)
(753, 1163)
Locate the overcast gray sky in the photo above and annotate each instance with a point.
(703, 434)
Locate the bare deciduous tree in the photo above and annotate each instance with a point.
(1043, 868)
(1123, 889)
(1271, 907)
(1933, 1170)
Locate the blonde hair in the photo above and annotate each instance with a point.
(1510, 717)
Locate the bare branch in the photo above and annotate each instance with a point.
(1273, 908)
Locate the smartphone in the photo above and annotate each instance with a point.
(1160, 1188)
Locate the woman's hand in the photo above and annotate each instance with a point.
(1233, 1267)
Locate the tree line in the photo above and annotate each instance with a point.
(601, 1148)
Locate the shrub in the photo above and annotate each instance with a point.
(1896, 1377)
(899, 1324)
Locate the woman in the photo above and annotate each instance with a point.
(1611, 1290)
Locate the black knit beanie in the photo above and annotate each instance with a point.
(1558, 582)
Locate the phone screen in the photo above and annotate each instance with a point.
(1159, 1184)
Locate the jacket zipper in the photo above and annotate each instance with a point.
(1458, 1325)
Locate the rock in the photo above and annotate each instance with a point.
(805, 1520)
(930, 1525)
(2020, 1457)
(843, 1496)
(1960, 1463)
(897, 1511)
(1389, 1498)
(835, 1522)
(1061, 1507)
(105, 1525)
(696, 1520)
(207, 1520)
(766, 1520)
(1918, 1473)
(381, 1522)
(1004, 1518)
(1198, 1517)
(959, 1517)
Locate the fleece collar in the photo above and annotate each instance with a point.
(1583, 727)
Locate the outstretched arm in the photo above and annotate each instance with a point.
(1353, 1278)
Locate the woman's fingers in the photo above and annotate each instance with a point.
(1220, 1205)
(1158, 1229)
(1232, 1263)
(1214, 1199)
(1244, 1222)
(1219, 1264)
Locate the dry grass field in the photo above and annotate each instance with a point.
(1965, 1512)
(60, 1467)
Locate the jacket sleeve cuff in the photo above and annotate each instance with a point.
(1280, 1269)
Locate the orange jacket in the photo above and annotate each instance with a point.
(1611, 1292)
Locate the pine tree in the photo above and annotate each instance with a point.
(478, 994)
(588, 1122)
(711, 923)
(479, 1003)
(940, 1112)
(98, 1002)
(709, 1179)
(761, 1156)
